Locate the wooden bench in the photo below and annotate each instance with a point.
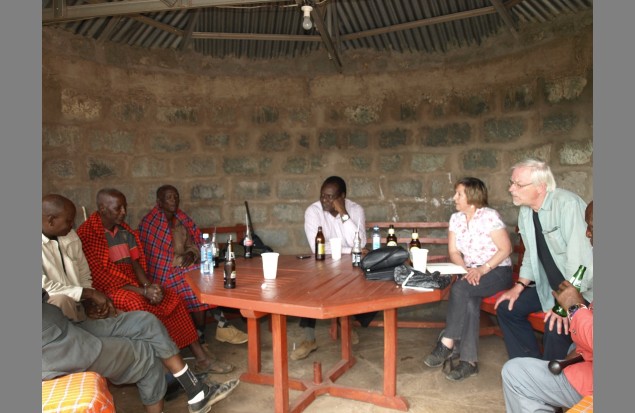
(237, 231)
(77, 393)
(584, 406)
(487, 305)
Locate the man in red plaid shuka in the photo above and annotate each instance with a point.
(171, 242)
(118, 269)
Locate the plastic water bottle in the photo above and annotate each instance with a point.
(206, 252)
(376, 238)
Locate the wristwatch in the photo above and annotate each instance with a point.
(575, 307)
(345, 217)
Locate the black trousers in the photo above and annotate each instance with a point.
(364, 319)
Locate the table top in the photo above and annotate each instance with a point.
(305, 288)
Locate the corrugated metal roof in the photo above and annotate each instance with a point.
(270, 30)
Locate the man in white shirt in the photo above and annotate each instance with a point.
(339, 218)
(65, 272)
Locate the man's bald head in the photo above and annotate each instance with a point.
(58, 215)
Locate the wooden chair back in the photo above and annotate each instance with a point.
(432, 235)
(237, 231)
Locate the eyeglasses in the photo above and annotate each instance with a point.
(517, 185)
(329, 197)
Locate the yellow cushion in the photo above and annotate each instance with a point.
(79, 392)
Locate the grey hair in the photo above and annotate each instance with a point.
(540, 172)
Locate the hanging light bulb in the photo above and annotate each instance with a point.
(306, 21)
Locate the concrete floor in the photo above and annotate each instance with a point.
(425, 389)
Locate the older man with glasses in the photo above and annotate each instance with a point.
(551, 223)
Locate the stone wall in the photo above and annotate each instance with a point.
(400, 129)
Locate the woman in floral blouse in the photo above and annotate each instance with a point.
(477, 241)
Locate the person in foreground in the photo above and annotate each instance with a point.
(171, 242)
(339, 217)
(125, 348)
(118, 267)
(529, 386)
(551, 223)
(477, 241)
(65, 273)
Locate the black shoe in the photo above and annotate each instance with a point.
(213, 394)
(462, 371)
(438, 355)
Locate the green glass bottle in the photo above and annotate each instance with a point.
(576, 281)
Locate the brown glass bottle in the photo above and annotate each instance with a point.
(320, 245)
(229, 280)
(414, 243)
(391, 238)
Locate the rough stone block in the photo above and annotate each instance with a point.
(216, 140)
(246, 166)
(559, 122)
(452, 134)
(422, 162)
(480, 159)
(143, 167)
(357, 139)
(361, 163)
(207, 216)
(393, 138)
(205, 192)
(266, 115)
(574, 181)
(128, 111)
(60, 168)
(542, 153)
(473, 105)
(299, 165)
(177, 115)
(361, 115)
(343, 139)
(100, 169)
(390, 163)
(405, 187)
(569, 88)
(520, 98)
(288, 213)
(116, 141)
(77, 106)
(276, 238)
(197, 165)
(504, 130)
(274, 142)
(300, 115)
(576, 152)
(224, 115)
(407, 112)
(65, 137)
(251, 190)
(169, 144)
(288, 189)
(362, 188)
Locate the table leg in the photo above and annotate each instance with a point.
(254, 364)
(390, 352)
(280, 363)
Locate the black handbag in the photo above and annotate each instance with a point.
(408, 277)
(379, 264)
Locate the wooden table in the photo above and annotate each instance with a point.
(313, 289)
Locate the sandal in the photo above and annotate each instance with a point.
(209, 366)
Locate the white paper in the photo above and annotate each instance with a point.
(446, 268)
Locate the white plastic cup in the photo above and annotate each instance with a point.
(270, 265)
(419, 259)
(336, 248)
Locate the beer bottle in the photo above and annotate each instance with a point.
(320, 245)
(230, 266)
(576, 281)
(248, 243)
(391, 239)
(414, 242)
(356, 252)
